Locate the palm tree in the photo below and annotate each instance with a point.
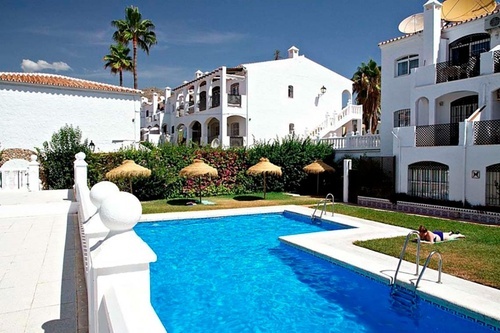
(134, 28)
(277, 55)
(118, 60)
(367, 81)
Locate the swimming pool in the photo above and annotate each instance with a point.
(231, 274)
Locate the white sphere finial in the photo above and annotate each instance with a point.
(80, 156)
(120, 211)
(101, 191)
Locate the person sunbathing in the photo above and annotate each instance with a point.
(437, 235)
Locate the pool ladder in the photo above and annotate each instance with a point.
(401, 256)
(329, 198)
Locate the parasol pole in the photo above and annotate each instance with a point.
(264, 173)
(317, 184)
(199, 186)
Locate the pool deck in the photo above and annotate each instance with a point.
(478, 302)
(41, 273)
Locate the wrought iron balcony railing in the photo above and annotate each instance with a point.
(437, 135)
(448, 71)
(487, 132)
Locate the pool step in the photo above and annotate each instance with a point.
(404, 299)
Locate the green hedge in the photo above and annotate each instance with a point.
(166, 161)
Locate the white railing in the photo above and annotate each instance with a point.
(337, 120)
(368, 141)
(116, 260)
(19, 174)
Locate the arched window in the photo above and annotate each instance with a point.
(428, 180)
(215, 97)
(290, 91)
(405, 64)
(203, 101)
(402, 118)
(493, 185)
(235, 89)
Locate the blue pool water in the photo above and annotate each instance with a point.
(232, 274)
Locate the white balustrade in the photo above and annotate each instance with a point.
(116, 260)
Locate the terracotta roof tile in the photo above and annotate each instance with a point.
(62, 81)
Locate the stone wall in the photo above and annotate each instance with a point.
(15, 153)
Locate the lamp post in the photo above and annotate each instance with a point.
(92, 146)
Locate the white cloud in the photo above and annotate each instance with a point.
(31, 66)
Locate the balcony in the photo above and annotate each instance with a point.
(437, 135)
(486, 132)
(234, 100)
(448, 71)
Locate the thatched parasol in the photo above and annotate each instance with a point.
(128, 169)
(198, 169)
(263, 167)
(317, 167)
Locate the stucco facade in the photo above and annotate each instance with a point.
(441, 108)
(34, 106)
(260, 102)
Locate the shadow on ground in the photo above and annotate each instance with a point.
(181, 202)
(247, 198)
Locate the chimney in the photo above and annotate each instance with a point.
(432, 31)
(293, 52)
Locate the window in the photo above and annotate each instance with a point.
(406, 64)
(235, 89)
(290, 91)
(493, 185)
(428, 180)
(203, 101)
(235, 129)
(215, 97)
(402, 118)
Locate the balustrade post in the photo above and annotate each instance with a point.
(80, 168)
(33, 174)
(120, 263)
(347, 167)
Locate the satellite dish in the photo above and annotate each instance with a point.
(412, 24)
(215, 143)
(462, 10)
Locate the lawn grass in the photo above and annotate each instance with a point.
(475, 258)
(226, 202)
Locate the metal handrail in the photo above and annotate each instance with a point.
(323, 210)
(414, 232)
(333, 202)
(440, 267)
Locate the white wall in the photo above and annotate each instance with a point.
(271, 110)
(30, 114)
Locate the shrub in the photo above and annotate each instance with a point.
(58, 155)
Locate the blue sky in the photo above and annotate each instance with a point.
(71, 37)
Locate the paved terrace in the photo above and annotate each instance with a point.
(42, 288)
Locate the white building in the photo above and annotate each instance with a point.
(441, 107)
(152, 113)
(261, 101)
(34, 106)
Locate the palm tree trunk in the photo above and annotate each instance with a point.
(135, 62)
(121, 78)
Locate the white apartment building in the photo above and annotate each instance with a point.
(33, 106)
(441, 107)
(261, 101)
(152, 113)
